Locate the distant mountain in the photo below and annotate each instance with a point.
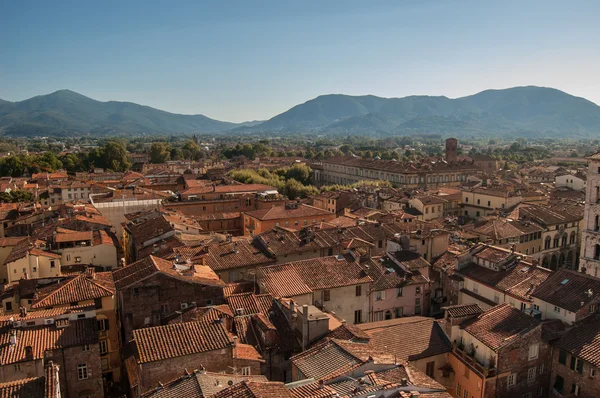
(69, 113)
(524, 111)
(520, 111)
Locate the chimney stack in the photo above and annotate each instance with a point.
(235, 339)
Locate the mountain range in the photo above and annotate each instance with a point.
(520, 111)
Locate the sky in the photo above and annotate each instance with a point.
(250, 60)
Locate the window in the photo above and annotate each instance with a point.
(592, 372)
(52, 264)
(430, 368)
(562, 357)
(496, 297)
(358, 291)
(380, 295)
(512, 379)
(136, 291)
(377, 316)
(102, 324)
(86, 347)
(399, 312)
(540, 392)
(557, 309)
(576, 364)
(82, 371)
(575, 390)
(559, 384)
(541, 368)
(527, 395)
(17, 367)
(458, 389)
(34, 269)
(357, 316)
(380, 244)
(103, 347)
(326, 295)
(399, 292)
(246, 371)
(475, 288)
(465, 394)
(418, 290)
(531, 372)
(534, 351)
(592, 308)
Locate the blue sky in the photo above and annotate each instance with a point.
(244, 60)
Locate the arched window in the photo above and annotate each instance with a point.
(596, 223)
(572, 238)
(555, 243)
(547, 243)
(597, 252)
(563, 242)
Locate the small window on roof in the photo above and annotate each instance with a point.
(564, 282)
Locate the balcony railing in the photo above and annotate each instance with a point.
(481, 370)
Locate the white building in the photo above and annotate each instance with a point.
(574, 181)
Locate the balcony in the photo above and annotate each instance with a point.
(472, 363)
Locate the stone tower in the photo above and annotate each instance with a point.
(451, 150)
(589, 259)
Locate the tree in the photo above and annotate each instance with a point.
(159, 152)
(299, 172)
(114, 156)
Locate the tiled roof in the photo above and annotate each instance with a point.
(79, 288)
(427, 337)
(245, 301)
(146, 267)
(568, 289)
(206, 314)
(460, 310)
(551, 216)
(93, 219)
(74, 236)
(238, 287)
(48, 337)
(301, 277)
(33, 387)
(519, 281)
(11, 241)
(252, 389)
(6, 320)
(170, 341)
(145, 230)
(247, 351)
(500, 326)
(223, 256)
(103, 237)
(228, 189)
(348, 332)
(496, 229)
(583, 341)
(281, 212)
(198, 384)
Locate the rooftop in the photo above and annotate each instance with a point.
(568, 289)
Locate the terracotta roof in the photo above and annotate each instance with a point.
(103, 237)
(11, 241)
(252, 389)
(47, 337)
(93, 219)
(198, 384)
(247, 351)
(244, 301)
(551, 216)
(519, 281)
(304, 276)
(228, 189)
(427, 337)
(583, 341)
(238, 287)
(568, 289)
(282, 212)
(500, 325)
(224, 256)
(145, 230)
(146, 267)
(73, 290)
(460, 310)
(6, 320)
(33, 387)
(73, 236)
(175, 340)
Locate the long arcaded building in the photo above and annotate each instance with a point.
(429, 173)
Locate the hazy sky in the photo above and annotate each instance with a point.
(244, 60)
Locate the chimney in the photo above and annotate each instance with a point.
(321, 383)
(235, 339)
(23, 311)
(292, 306)
(404, 381)
(235, 247)
(305, 328)
(13, 338)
